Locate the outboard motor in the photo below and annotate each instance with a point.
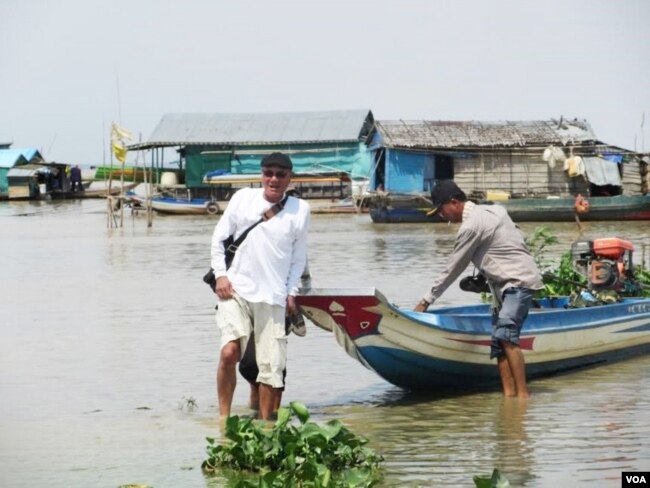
(605, 263)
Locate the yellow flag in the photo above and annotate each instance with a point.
(119, 133)
(119, 151)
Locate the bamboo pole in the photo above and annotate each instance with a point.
(149, 194)
(109, 199)
(122, 197)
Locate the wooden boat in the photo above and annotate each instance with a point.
(342, 206)
(620, 207)
(330, 185)
(449, 347)
(219, 178)
(100, 189)
(394, 208)
(180, 206)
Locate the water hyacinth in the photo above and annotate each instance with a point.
(301, 454)
(496, 480)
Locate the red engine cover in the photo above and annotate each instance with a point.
(611, 247)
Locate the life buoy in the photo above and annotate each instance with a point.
(212, 208)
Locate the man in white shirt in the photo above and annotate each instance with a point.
(259, 288)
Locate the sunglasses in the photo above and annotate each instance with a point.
(278, 174)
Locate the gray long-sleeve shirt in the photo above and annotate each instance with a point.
(494, 244)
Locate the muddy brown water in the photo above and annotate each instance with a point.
(108, 340)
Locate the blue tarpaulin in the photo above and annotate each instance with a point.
(602, 172)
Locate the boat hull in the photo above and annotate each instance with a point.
(616, 208)
(449, 347)
(179, 206)
(195, 206)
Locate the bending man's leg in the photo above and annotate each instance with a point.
(505, 341)
(507, 379)
(517, 366)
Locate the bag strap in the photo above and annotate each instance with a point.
(267, 215)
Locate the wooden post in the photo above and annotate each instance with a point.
(121, 198)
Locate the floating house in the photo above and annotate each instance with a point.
(516, 164)
(219, 152)
(15, 158)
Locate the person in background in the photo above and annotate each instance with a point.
(258, 290)
(490, 240)
(75, 179)
(54, 180)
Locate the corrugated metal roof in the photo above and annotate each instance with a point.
(259, 128)
(456, 134)
(26, 170)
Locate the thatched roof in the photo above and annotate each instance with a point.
(426, 134)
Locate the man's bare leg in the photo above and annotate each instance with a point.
(517, 367)
(227, 376)
(269, 398)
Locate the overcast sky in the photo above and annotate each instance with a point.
(68, 68)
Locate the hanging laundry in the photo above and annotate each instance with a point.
(552, 155)
(575, 166)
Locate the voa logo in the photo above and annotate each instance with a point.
(635, 479)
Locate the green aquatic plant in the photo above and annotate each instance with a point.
(302, 454)
(496, 480)
(538, 243)
(642, 276)
(561, 278)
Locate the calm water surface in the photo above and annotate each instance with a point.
(106, 333)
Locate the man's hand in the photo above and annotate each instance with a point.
(224, 288)
(422, 306)
(291, 305)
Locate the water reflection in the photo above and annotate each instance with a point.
(512, 442)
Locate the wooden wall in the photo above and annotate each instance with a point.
(524, 174)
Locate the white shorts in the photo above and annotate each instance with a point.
(236, 318)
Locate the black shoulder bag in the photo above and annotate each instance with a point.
(230, 244)
(477, 283)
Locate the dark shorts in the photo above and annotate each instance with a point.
(509, 319)
(248, 363)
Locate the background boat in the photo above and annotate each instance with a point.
(396, 208)
(176, 205)
(179, 206)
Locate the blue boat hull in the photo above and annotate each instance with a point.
(449, 347)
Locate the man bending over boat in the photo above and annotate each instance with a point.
(494, 244)
(260, 286)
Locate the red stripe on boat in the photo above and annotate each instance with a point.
(525, 343)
